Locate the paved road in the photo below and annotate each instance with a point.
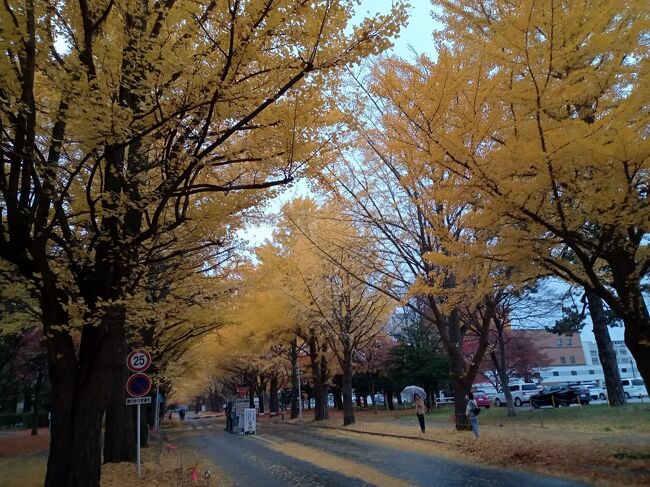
(288, 455)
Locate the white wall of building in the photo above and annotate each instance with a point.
(592, 371)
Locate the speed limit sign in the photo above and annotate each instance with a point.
(138, 360)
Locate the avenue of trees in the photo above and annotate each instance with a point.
(137, 138)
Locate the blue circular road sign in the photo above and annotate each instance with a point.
(138, 385)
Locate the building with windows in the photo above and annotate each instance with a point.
(626, 363)
(572, 360)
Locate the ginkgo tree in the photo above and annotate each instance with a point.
(345, 295)
(121, 120)
(415, 214)
(540, 108)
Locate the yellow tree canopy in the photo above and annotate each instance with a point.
(539, 111)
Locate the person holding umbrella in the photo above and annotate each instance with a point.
(416, 394)
(420, 409)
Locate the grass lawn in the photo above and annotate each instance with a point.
(598, 444)
(592, 418)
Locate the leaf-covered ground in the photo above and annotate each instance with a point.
(23, 459)
(601, 445)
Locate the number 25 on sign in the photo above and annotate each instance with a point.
(138, 360)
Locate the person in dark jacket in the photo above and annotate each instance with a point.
(229, 417)
(470, 411)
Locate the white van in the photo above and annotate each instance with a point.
(521, 393)
(631, 388)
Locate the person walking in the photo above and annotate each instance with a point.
(420, 409)
(229, 417)
(471, 411)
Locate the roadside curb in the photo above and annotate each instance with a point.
(208, 416)
(371, 433)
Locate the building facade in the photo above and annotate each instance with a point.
(572, 360)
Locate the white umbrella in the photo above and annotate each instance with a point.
(409, 391)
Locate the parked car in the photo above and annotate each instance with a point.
(594, 391)
(520, 394)
(481, 398)
(631, 388)
(580, 389)
(560, 396)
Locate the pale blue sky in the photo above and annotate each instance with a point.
(414, 38)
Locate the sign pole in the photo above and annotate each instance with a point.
(156, 421)
(138, 440)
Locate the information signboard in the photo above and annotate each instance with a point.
(130, 401)
(250, 421)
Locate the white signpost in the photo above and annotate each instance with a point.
(138, 385)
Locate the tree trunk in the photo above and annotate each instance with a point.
(606, 354)
(316, 378)
(79, 398)
(348, 405)
(338, 397)
(372, 393)
(634, 313)
(260, 395)
(637, 339)
(273, 400)
(460, 402)
(294, 380)
(500, 362)
(80, 391)
(389, 400)
(119, 428)
(37, 399)
(217, 401)
(457, 369)
(34, 431)
(324, 379)
(251, 394)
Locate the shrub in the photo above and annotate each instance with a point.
(10, 419)
(28, 419)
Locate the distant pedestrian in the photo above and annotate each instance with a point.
(420, 409)
(181, 414)
(229, 417)
(472, 410)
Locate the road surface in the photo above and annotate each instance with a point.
(297, 455)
